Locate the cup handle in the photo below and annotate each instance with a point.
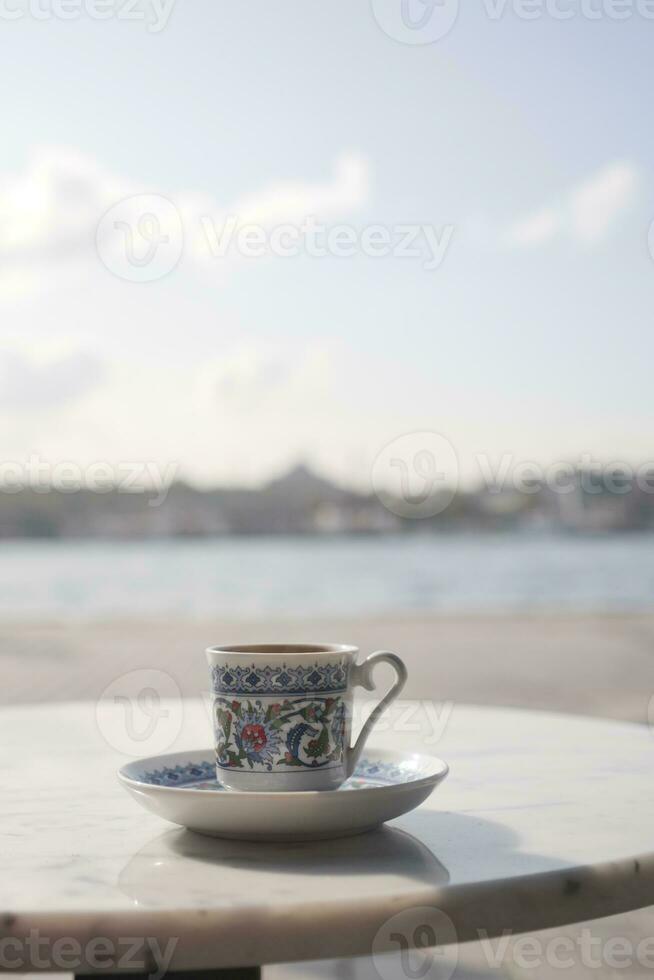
(362, 677)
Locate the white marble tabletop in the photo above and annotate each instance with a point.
(544, 819)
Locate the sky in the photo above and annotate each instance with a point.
(510, 156)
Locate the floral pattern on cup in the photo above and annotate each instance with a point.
(302, 733)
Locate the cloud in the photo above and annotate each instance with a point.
(598, 201)
(585, 214)
(48, 216)
(281, 203)
(32, 382)
(49, 213)
(255, 377)
(294, 200)
(535, 228)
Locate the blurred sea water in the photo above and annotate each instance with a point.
(301, 576)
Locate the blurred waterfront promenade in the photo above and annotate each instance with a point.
(589, 664)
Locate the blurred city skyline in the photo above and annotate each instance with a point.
(301, 502)
(530, 337)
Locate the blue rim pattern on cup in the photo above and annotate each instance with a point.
(329, 678)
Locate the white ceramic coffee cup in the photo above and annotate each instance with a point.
(282, 713)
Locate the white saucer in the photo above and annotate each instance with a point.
(182, 788)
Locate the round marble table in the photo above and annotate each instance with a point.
(545, 819)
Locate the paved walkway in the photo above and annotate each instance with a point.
(594, 665)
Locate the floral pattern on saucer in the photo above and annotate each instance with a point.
(202, 775)
(187, 775)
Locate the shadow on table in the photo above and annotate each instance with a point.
(428, 848)
(176, 858)
(476, 848)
